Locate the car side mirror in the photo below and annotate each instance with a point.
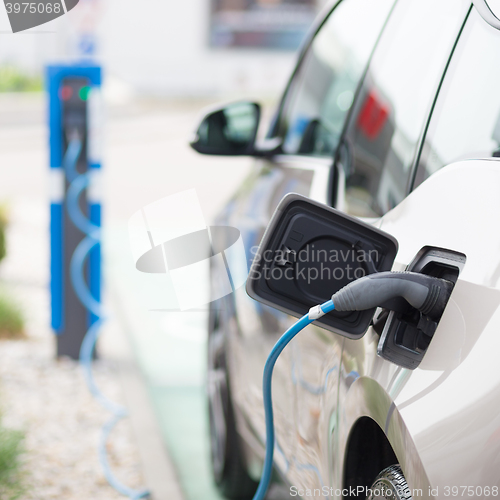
(228, 130)
(310, 251)
(231, 130)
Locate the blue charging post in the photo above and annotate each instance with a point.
(75, 211)
(74, 104)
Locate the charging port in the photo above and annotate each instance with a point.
(407, 333)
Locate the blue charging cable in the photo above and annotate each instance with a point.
(427, 294)
(315, 313)
(79, 182)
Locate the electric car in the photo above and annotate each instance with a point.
(392, 115)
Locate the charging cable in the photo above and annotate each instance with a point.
(315, 313)
(79, 182)
(425, 293)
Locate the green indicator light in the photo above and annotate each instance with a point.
(84, 93)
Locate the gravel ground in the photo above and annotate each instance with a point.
(48, 399)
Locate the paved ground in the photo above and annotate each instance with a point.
(146, 158)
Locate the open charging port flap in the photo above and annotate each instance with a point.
(310, 251)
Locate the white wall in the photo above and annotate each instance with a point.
(158, 47)
(162, 47)
(30, 50)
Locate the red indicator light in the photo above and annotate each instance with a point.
(66, 93)
(373, 116)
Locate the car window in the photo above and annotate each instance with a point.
(322, 89)
(466, 120)
(395, 100)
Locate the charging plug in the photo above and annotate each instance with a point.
(427, 294)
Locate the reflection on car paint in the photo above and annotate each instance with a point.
(314, 469)
(316, 390)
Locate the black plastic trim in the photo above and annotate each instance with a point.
(407, 333)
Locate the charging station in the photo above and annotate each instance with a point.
(74, 103)
(75, 230)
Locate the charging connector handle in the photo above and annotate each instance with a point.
(426, 293)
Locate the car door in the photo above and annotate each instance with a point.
(309, 122)
(377, 152)
(449, 405)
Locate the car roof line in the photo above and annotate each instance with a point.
(486, 13)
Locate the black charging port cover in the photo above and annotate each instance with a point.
(310, 251)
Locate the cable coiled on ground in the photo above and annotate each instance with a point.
(79, 182)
